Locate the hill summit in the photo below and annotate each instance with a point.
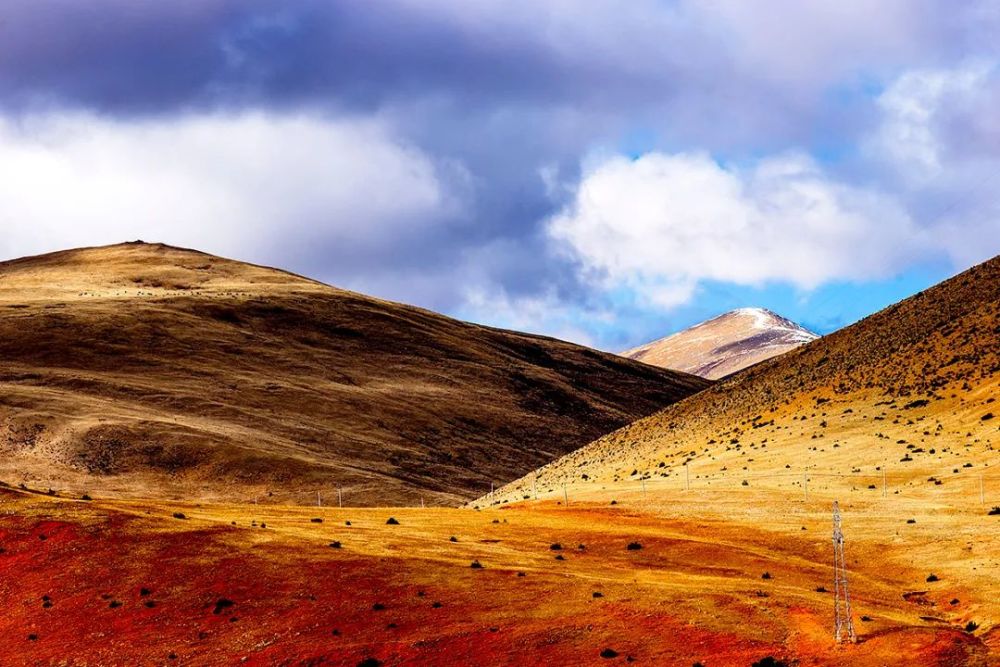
(724, 344)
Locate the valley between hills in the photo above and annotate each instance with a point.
(697, 531)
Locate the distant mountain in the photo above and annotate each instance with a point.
(724, 344)
(147, 370)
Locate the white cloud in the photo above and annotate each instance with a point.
(661, 224)
(916, 108)
(228, 184)
(542, 313)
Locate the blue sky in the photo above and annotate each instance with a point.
(598, 171)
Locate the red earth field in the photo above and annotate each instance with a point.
(123, 582)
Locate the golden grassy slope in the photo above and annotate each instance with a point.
(908, 392)
(148, 370)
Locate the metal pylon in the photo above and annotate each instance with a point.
(843, 621)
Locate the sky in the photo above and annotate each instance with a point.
(599, 171)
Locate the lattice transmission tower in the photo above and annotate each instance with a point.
(843, 622)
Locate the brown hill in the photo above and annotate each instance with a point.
(907, 393)
(725, 344)
(149, 370)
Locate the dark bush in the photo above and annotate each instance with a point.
(179, 515)
(555, 547)
(316, 520)
(476, 565)
(766, 575)
(609, 653)
(370, 662)
(335, 544)
(597, 594)
(770, 661)
(971, 626)
(633, 546)
(392, 522)
(222, 603)
(995, 511)
(378, 606)
(932, 578)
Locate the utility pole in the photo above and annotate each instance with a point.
(841, 597)
(340, 498)
(885, 487)
(687, 477)
(982, 491)
(319, 500)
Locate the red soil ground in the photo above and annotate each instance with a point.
(114, 583)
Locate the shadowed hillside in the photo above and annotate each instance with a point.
(148, 370)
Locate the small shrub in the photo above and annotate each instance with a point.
(335, 544)
(222, 603)
(633, 546)
(392, 522)
(316, 520)
(453, 539)
(560, 557)
(555, 547)
(476, 565)
(995, 511)
(609, 653)
(370, 662)
(179, 515)
(436, 605)
(378, 606)
(911, 521)
(971, 626)
(85, 497)
(597, 594)
(770, 661)
(766, 575)
(932, 578)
